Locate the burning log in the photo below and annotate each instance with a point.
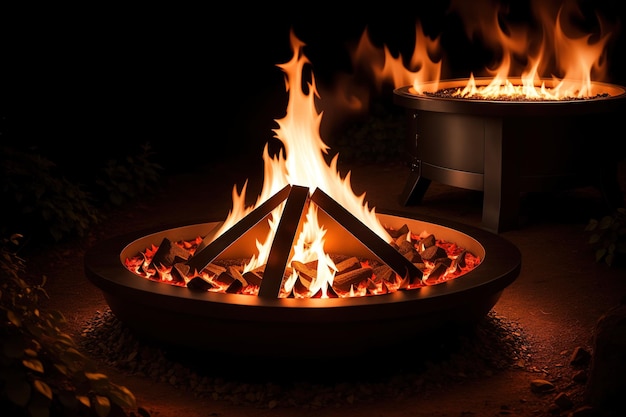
(168, 254)
(438, 261)
(253, 277)
(429, 241)
(384, 273)
(235, 272)
(433, 252)
(198, 283)
(307, 272)
(436, 273)
(349, 264)
(460, 260)
(351, 278)
(396, 233)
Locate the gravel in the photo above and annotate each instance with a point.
(490, 346)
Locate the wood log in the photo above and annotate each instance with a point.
(253, 278)
(180, 271)
(235, 272)
(224, 279)
(384, 273)
(413, 256)
(349, 264)
(198, 283)
(304, 271)
(460, 259)
(395, 233)
(433, 252)
(436, 273)
(168, 254)
(429, 241)
(235, 287)
(214, 269)
(346, 280)
(405, 246)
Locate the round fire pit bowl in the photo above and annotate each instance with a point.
(314, 327)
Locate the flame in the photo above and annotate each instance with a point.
(549, 60)
(302, 162)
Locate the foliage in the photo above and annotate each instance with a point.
(37, 199)
(133, 176)
(608, 237)
(40, 201)
(42, 372)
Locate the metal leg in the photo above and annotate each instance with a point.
(500, 181)
(415, 187)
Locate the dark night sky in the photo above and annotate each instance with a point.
(182, 77)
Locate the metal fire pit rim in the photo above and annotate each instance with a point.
(104, 268)
(402, 96)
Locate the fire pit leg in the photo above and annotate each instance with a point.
(415, 186)
(500, 181)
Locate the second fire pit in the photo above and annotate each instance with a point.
(505, 147)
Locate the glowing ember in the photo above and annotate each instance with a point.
(439, 260)
(550, 61)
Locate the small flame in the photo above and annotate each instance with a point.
(302, 162)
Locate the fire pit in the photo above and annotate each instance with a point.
(320, 327)
(305, 211)
(505, 147)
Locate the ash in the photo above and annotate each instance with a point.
(453, 93)
(438, 362)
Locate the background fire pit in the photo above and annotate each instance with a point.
(505, 147)
(320, 327)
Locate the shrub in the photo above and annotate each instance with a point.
(608, 237)
(42, 372)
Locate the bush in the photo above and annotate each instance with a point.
(42, 372)
(42, 204)
(608, 237)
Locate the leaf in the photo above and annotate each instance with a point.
(600, 253)
(606, 222)
(594, 238)
(33, 364)
(84, 400)
(123, 397)
(102, 406)
(99, 381)
(591, 226)
(14, 318)
(61, 368)
(43, 388)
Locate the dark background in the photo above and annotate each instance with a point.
(85, 83)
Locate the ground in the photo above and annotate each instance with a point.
(555, 302)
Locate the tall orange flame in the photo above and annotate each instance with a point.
(302, 162)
